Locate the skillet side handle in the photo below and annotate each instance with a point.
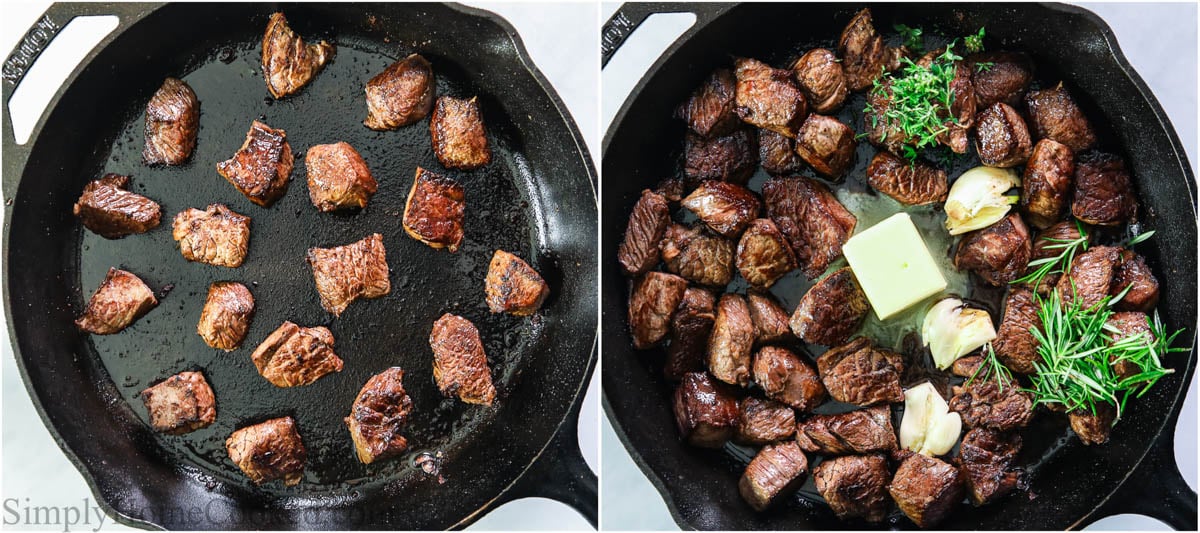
(631, 15)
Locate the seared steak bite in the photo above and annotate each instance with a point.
(338, 178)
(459, 137)
(706, 410)
(691, 325)
(1015, 344)
(763, 254)
(378, 415)
(709, 110)
(882, 131)
(226, 315)
(651, 302)
(776, 153)
(855, 486)
(460, 365)
(119, 300)
(822, 79)
(112, 212)
(346, 273)
(763, 422)
(639, 250)
(172, 120)
(832, 310)
(962, 106)
(1054, 115)
(1000, 77)
(768, 98)
(268, 451)
(1002, 139)
(293, 356)
(216, 236)
(514, 287)
(998, 253)
(1093, 427)
(400, 95)
(861, 373)
(1128, 324)
(287, 63)
(1133, 272)
(776, 472)
(826, 145)
(731, 341)
(926, 489)
(985, 461)
(913, 183)
(787, 378)
(986, 403)
(1054, 235)
(864, 55)
(855, 432)
(261, 167)
(434, 211)
(968, 365)
(725, 207)
(1046, 186)
(697, 255)
(812, 219)
(770, 320)
(1091, 276)
(180, 404)
(1103, 191)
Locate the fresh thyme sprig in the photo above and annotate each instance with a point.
(914, 39)
(919, 101)
(974, 43)
(1059, 263)
(984, 66)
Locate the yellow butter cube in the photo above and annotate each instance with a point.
(893, 265)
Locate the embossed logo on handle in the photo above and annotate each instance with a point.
(615, 31)
(31, 46)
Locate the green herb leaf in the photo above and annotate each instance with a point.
(913, 37)
(974, 43)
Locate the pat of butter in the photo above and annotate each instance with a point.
(893, 265)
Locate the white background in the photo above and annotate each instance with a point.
(563, 42)
(1159, 40)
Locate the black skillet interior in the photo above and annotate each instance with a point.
(1068, 481)
(535, 199)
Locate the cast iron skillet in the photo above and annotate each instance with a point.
(1072, 485)
(536, 199)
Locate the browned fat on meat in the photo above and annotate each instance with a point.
(120, 299)
(770, 320)
(1090, 278)
(999, 253)
(651, 302)
(697, 255)
(460, 366)
(1046, 186)
(777, 154)
(1103, 190)
(731, 341)
(434, 211)
(180, 404)
(288, 63)
(268, 451)
(709, 111)
(1015, 345)
(338, 177)
(261, 167)
(1001, 137)
(822, 79)
(768, 98)
(706, 410)
(773, 474)
(1000, 77)
(861, 373)
(691, 324)
(514, 287)
(987, 403)
(832, 310)
(855, 486)
(731, 157)
(812, 219)
(400, 95)
(458, 134)
(926, 489)
(1134, 273)
(346, 273)
(914, 183)
(864, 54)
(764, 421)
(827, 145)
(294, 356)
(112, 212)
(216, 236)
(985, 461)
(725, 207)
(226, 315)
(639, 250)
(764, 254)
(378, 417)
(855, 432)
(172, 120)
(1093, 427)
(1055, 115)
(787, 378)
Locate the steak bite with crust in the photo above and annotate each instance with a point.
(110, 211)
(763, 422)
(378, 415)
(812, 219)
(400, 95)
(855, 486)
(216, 236)
(768, 98)
(651, 303)
(119, 300)
(822, 79)
(776, 153)
(434, 211)
(910, 183)
(1001, 137)
(861, 373)
(1133, 272)
(864, 54)
(999, 253)
(180, 404)
(697, 255)
(986, 403)
(514, 287)
(764, 254)
(770, 320)
(832, 310)
(639, 250)
(287, 63)
(706, 410)
(926, 489)
(1104, 193)
(1046, 187)
(1055, 115)
(261, 167)
(293, 356)
(1128, 324)
(268, 451)
(1000, 77)
(172, 121)
(346, 273)
(1015, 345)
(787, 378)
(459, 136)
(460, 365)
(691, 325)
(731, 341)
(338, 177)
(709, 110)
(1047, 244)
(226, 315)
(1090, 278)
(1093, 428)
(773, 474)
(855, 432)
(985, 460)
(827, 145)
(731, 157)
(725, 207)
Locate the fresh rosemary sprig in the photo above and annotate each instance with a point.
(995, 369)
(1059, 263)
(920, 100)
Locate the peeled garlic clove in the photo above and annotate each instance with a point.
(976, 199)
(942, 435)
(952, 330)
(928, 426)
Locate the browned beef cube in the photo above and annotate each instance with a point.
(864, 55)
(639, 250)
(1133, 272)
(460, 365)
(268, 451)
(709, 110)
(287, 63)
(1093, 427)
(1015, 344)
(119, 300)
(1090, 278)
(293, 356)
(400, 95)
(729, 158)
(434, 211)
(261, 167)
(725, 207)
(969, 365)
(691, 325)
(855, 432)
(1055, 115)
(773, 474)
(338, 177)
(763, 254)
(861, 373)
(1002, 139)
(763, 422)
(172, 121)
(770, 320)
(1048, 243)
(985, 462)
(731, 341)
(514, 287)
(882, 130)
(698, 256)
(926, 489)
(985, 402)
(1129, 324)
(378, 415)
(216, 236)
(998, 253)
(1103, 191)
(822, 79)
(1047, 182)
(1000, 77)
(672, 189)
(180, 404)
(812, 219)
(961, 116)
(787, 378)
(226, 315)
(832, 310)
(346, 273)
(855, 486)
(651, 303)
(776, 153)
(768, 98)
(826, 145)
(706, 410)
(914, 183)
(458, 134)
(112, 212)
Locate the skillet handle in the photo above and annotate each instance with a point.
(631, 15)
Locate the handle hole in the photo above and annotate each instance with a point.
(636, 55)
